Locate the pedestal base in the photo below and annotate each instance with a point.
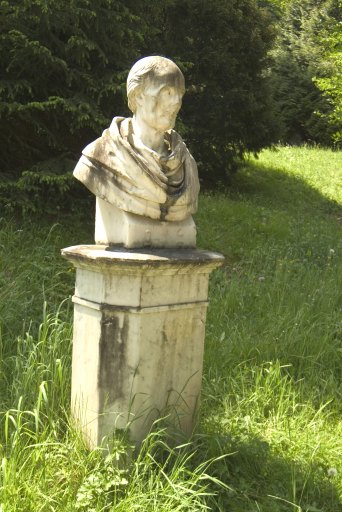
(139, 323)
(114, 226)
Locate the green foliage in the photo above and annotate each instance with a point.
(28, 252)
(63, 67)
(274, 326)
(297, 59)
(47, 188)
(104, 481)
(222, 48)
(39, 444)
(330, 81)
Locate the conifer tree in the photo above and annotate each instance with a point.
(63, 69)
(330, 81)
(297, 59)
(223, 49)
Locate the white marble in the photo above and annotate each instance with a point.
(140, 165)
(139, 325)
(114, 226)
(141, 294)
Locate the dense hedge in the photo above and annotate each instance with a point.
(63, 70)
(304, 65)
(223, 49)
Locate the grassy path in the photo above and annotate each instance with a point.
(272, 391)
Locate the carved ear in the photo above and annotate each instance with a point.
(139, 99)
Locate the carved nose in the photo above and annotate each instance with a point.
(176, 101)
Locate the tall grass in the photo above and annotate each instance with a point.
(269, 437)
(45, 464)
(273, 364)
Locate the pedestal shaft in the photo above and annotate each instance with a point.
(139, 325)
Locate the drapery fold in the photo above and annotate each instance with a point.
(120, 169)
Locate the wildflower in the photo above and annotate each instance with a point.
(332, 472)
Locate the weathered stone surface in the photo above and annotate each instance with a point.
(139, 314)
(114, 226)
(139, 328)
(141, 166)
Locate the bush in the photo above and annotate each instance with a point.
(64, 66)
(222, 48)
(298, 59)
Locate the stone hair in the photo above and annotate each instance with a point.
(149, 67)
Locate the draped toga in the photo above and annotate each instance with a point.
(120, 169)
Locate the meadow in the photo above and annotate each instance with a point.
(269, 437)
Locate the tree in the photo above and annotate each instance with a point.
(63, 68)
(330, 83)
(297, 59)
(222, 48)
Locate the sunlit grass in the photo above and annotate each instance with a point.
(273, 364)
(270, 427)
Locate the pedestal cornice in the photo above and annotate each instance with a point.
(143, 261)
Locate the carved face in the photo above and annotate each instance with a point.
(159, 103)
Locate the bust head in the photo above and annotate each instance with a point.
(155, 87)
(155, 69)
(139, 169)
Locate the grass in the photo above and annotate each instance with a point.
(270, 428)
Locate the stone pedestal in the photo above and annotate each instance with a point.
(139, 325)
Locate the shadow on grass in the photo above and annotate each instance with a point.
(263, 481)
(269, 218)
(273, 187)
(266, 208)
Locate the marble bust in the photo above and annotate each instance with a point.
(143, 176)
